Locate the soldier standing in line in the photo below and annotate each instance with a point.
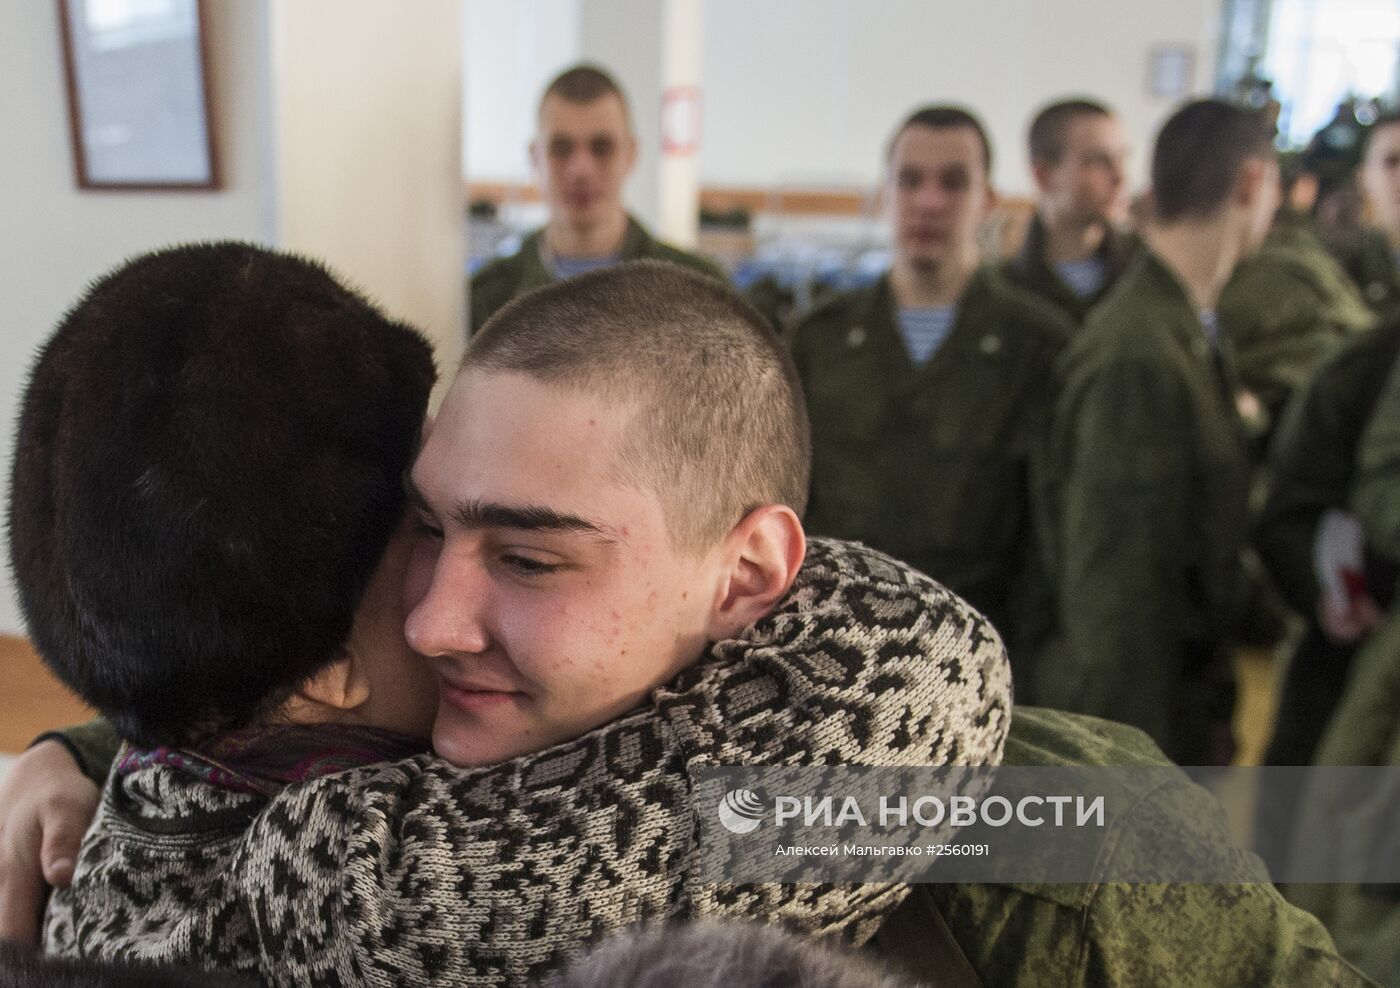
(582, 153)
(1371, 258)
(1074, 249)
(926, 389)
(1147, 473)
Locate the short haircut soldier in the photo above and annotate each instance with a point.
(208, 469)
(1198, 156)
(1048, 138)
(584, 83)
(733, 438)
(939, 117)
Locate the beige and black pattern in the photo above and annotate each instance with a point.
(416, 872)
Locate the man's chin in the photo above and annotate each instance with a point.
(466, 741)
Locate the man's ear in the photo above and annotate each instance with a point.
(761, 557)
(336, 688)
(631, 152)
(1249, 182)
(1040, 173)
(993, 201)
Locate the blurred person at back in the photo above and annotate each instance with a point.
(1372, 256)
(1146, 479)
(927, 389)
(1075, 249)
(582, 153)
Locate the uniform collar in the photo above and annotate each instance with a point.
(1151, 276)
(876, 314)
(637, 243)
(1116, 250)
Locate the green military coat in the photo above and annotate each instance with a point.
(1286, 309)
(1105, 935)
(1376, 494)
(1371, 263)
(1312, 461)
(1030, 270)
(1364, 919)
(505, 278)
(930, 463)
(1114, 934)
(1144, 493)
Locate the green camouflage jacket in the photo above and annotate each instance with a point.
(1031, 271)
(1285, 309)
(1105, 935)
(1312, 460)
(1376, 493)
(929, 463)
(1114, 934)
(1144, 492)
(1371, 262)
(505, 278)
(1365, 730)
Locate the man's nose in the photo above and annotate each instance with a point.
(579, 162)
(451, 616)
(930, 196)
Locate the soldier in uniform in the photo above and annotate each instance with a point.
(925, 388)
(1312, 465)
(1371, 257)
(582, 153)
(1286, 309)
(1074, 250)
(1147, 478)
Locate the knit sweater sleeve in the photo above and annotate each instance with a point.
(419, 872)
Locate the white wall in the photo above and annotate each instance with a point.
(339, 126)
(56, 238)
(367, 104)
(512, 48)
(806, 91)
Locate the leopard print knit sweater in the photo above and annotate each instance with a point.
(417, 872)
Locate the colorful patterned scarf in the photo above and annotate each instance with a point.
(265, 760)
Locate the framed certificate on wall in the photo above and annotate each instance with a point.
(138, 94)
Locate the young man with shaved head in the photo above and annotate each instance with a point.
(610, 485)
(582, 153)
(1148, 474)
(926, 388)
(1074, 249)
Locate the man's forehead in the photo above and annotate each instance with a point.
(937, 148)
(518, 434)
(1385, 141)
(602, 116)
(1096, 130)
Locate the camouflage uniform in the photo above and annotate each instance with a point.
(505, 278)
(1371, 262)
(1113, 934)
(929, 463)
(1030, 270)
(1376, 495)
(1286, 309)
(1144, 495)
(1364, 919)
(1106, 935)
(1312, 464)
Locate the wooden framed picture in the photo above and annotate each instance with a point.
(138, 94)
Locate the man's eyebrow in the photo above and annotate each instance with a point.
(528, 517)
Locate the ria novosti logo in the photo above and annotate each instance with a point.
(741, 811)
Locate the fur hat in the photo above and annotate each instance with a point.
(208, 468)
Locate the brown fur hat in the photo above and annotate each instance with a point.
(207, 471)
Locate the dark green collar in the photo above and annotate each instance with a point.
(636, 243)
